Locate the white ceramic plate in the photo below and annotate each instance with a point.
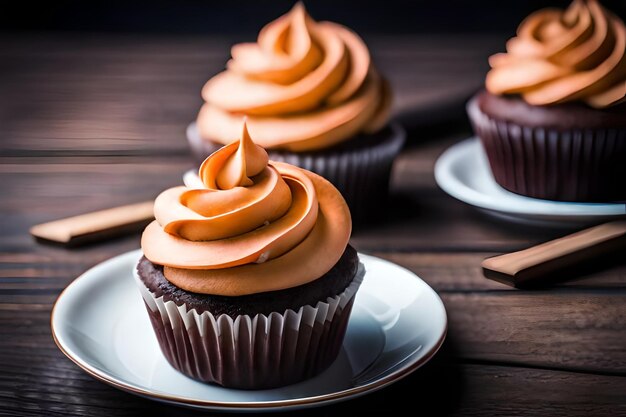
(463, 172)
(398, 323)
(192, 180)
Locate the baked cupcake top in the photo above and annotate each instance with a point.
(558, 56)
(304, 85)
(257, 226)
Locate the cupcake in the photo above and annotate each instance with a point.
(313, 99)
(553, 117)
(249, 282)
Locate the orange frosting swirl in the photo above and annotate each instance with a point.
(559, 56)
(304, 85)
(256, 226)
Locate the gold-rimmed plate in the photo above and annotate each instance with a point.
(398, 323)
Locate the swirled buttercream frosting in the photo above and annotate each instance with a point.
(256, 226)
(304, 85)
(558, 56)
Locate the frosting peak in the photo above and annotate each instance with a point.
(578, 54)
(257, 225)
(304, 85)
(285, 51)
(234, 165)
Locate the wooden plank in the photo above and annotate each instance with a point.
(436, 222)
(445, 272)
(52, 385)
(579, 331)
(450, 272)
(576, 332)
(485, 390)
(419, 219)
(579, 328)
(71, 96)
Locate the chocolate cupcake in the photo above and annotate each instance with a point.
(314, 99)
(249, 282)
(553, 117)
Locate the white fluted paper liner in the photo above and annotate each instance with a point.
(251, 352)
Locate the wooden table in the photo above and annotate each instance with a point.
(89, 122)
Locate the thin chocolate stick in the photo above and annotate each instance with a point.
(97, 225)
(538, 264)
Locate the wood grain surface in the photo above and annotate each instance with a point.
(91, 122)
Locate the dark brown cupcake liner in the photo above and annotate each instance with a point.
(554, 164)
(360, 173)
(264, 351)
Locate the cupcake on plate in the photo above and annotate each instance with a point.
(553, 117)
(313, 99)
(249, 282)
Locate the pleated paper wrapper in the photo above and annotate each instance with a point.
(263, 351)
(552, 164)
(361, 174)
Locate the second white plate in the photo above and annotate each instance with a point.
(398, 323)
(463, 172)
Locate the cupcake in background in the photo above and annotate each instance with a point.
(249, 281)
(553, 117)
(313, 99)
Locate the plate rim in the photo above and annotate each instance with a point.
(311, 401)
(450, 184)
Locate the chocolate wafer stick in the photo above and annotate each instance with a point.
(98, 225)
(539, 264)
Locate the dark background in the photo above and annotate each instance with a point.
(247, 16)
